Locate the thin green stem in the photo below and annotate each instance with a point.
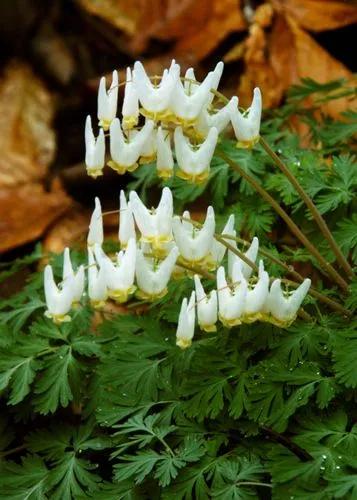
(311, 206)
(335, 276)
(253, 483)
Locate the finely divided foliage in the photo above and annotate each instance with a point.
(106, 406)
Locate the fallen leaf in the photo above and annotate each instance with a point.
(27, 211)
(27, 141)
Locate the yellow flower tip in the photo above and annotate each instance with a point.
(165, 173)
(97, 304)
(208, 328)
(147, 159)
(150, 297)
(248, 144)
(76, 305)
(121, 296)
(251, 318)
(183, 343)
(120, 169)
(129, 122)
(105, 124)
(58, 318)
(95, 172)
(229, 323)
(161, 116)
(196, 263)
(192, 178)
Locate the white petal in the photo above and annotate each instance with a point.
(95, 233)
(126, 224)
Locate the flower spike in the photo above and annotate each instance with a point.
(95, 233)
(186, 323)
(95, 150)
(246, 127)
(206, 307)
(107, 101)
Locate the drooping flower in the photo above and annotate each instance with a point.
(251, 254)
(186, 323)
(126, 224)
(95, 232)
(95, 150)
(220, 119)
(194, 163)
(75, 277)
(231, 299)
(152, 277)
(125, 152)
(130, 109)
(58, 299)
(148, 152)
(155, 225)
(256, 296)
(97, 285)
(218, 250)
(246, 126)
(206, 307)
(107, 101)
(164, 160)
(194, 244)
(283, 306)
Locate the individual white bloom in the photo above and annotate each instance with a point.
(251, 254)
(219, 120)
(186, 323)
(206, 307)
(126, 224)
(119, 276)
(95, 232)
(97, 285)
(190, 86)
(283, 306)
(107, 101)
(76, 278)
(218, 250)
(155, 99)
(155, 225)
(130, 109)
(152, 277)
(126, 153)
(246, 126)
(231, 299)
(194, 164)
(187, 106)
(148, 151)
(194, 244)
(58, 300)
(164, 161)
(217, 73)
(95, 150)
(256, 296)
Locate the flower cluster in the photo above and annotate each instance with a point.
(167, 246)
(179, 120)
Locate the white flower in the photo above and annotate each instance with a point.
(231, 300)
(246, 127)
(58, 300)
(186, 323)
(107, 101)
(130, 110)
(75, 278)
(251, 254)
(148, 151)
(119, 276)
(194, 244)
(194, 164)
(190, 87)
(283, 306)
(155, 225)
(219, 120)
(95, 232)
(164, 161)
(125, 153)
(256, 296)
(126, 224)
(187, 105)
(218, 250)
(155, 99)
(217, 73)
(97, 285)
(95, 150)
(152, 277)
(206, 307)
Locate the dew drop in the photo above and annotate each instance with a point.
(338, 467)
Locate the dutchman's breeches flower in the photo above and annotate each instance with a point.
(256, 296)
(283, 306)
(75, 278)
(97, 285)
(220, 119)
(95, 232)
(148, 152)
(58, 300)
(231, 299)
(126, 223)
(246, 127)
(95, 150)
(130, 109)
(194, 244)
(251, 254)
(186, 323)
(218, 250)
(107, 101)
(152, 277)
(126, 153)
(206, 307)
(194, 163)
(164, 157)
(155, 225)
